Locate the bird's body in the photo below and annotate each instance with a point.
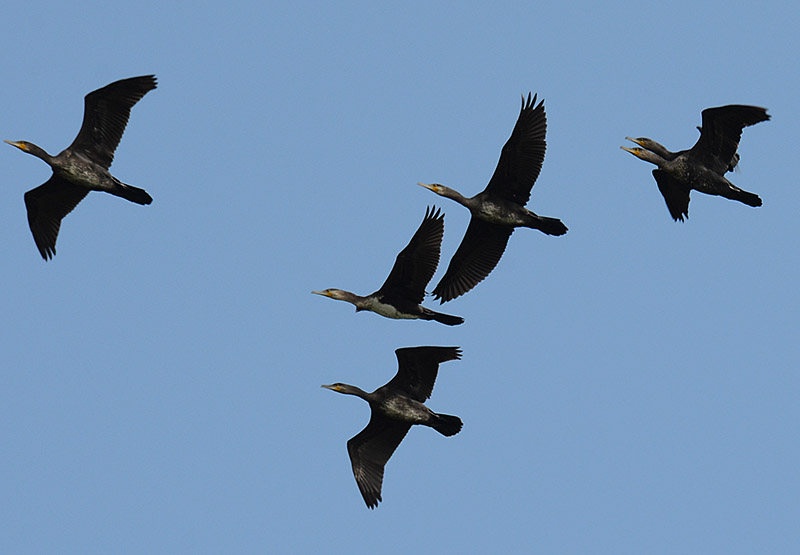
(395, 309)
(500, 207)
(395, 407)
(401, 295)
(704, 180)
(408, 410)
(702, 168)
(496, 210)
(80, 170)
(83, 166)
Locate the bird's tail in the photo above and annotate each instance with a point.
(550, 226)
(447, 425)
(131, 193)
(750, 199)
(445, 319)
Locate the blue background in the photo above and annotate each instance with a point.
(630, 387)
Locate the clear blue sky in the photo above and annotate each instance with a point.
(631, 387)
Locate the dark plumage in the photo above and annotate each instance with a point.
(83, 165)
(396, 407)
(500, 207)
(731, 165)
(401, 294)
(703, 166)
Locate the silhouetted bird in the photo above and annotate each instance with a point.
(83, 165)
(500, 207)
(402, 292)
(703, 166)
(396, 407)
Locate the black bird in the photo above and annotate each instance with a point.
(703, 166)
(396, 407)
(402, 292)
(500, 207)
(661, 150)
(83, 165)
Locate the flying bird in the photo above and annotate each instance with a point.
(395, 407)
(703, 166)
(83, 165)
(500, 207)
(402, 292)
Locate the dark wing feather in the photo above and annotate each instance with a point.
(47, 205)
(720, 134)
(477, 255)
(675, 194)
(417, 368)
(105, 116)
(522, 156)
(734, 161)
(369, 451)
(416, 264)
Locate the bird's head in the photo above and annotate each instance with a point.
(337, 294)
(435, 187)
(338, 387)
(347, 390)
(644, 154)
(31, 148)
(651, 145)
(636, 151)
(444, 191)
(641, 141)
(24, 146)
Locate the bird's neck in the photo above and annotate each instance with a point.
(361, 303)
(357, 391)
(653, 158)
(458, 197)
(39, 152)
(661, 150)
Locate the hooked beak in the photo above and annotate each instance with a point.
(17, 144)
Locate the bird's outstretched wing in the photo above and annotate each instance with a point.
(522, 156)
(105, 116)
(369, 451)
(417, 368)
(477, 255)
(417, 262)
(721, 132)
(47, 205)
(675, 194)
